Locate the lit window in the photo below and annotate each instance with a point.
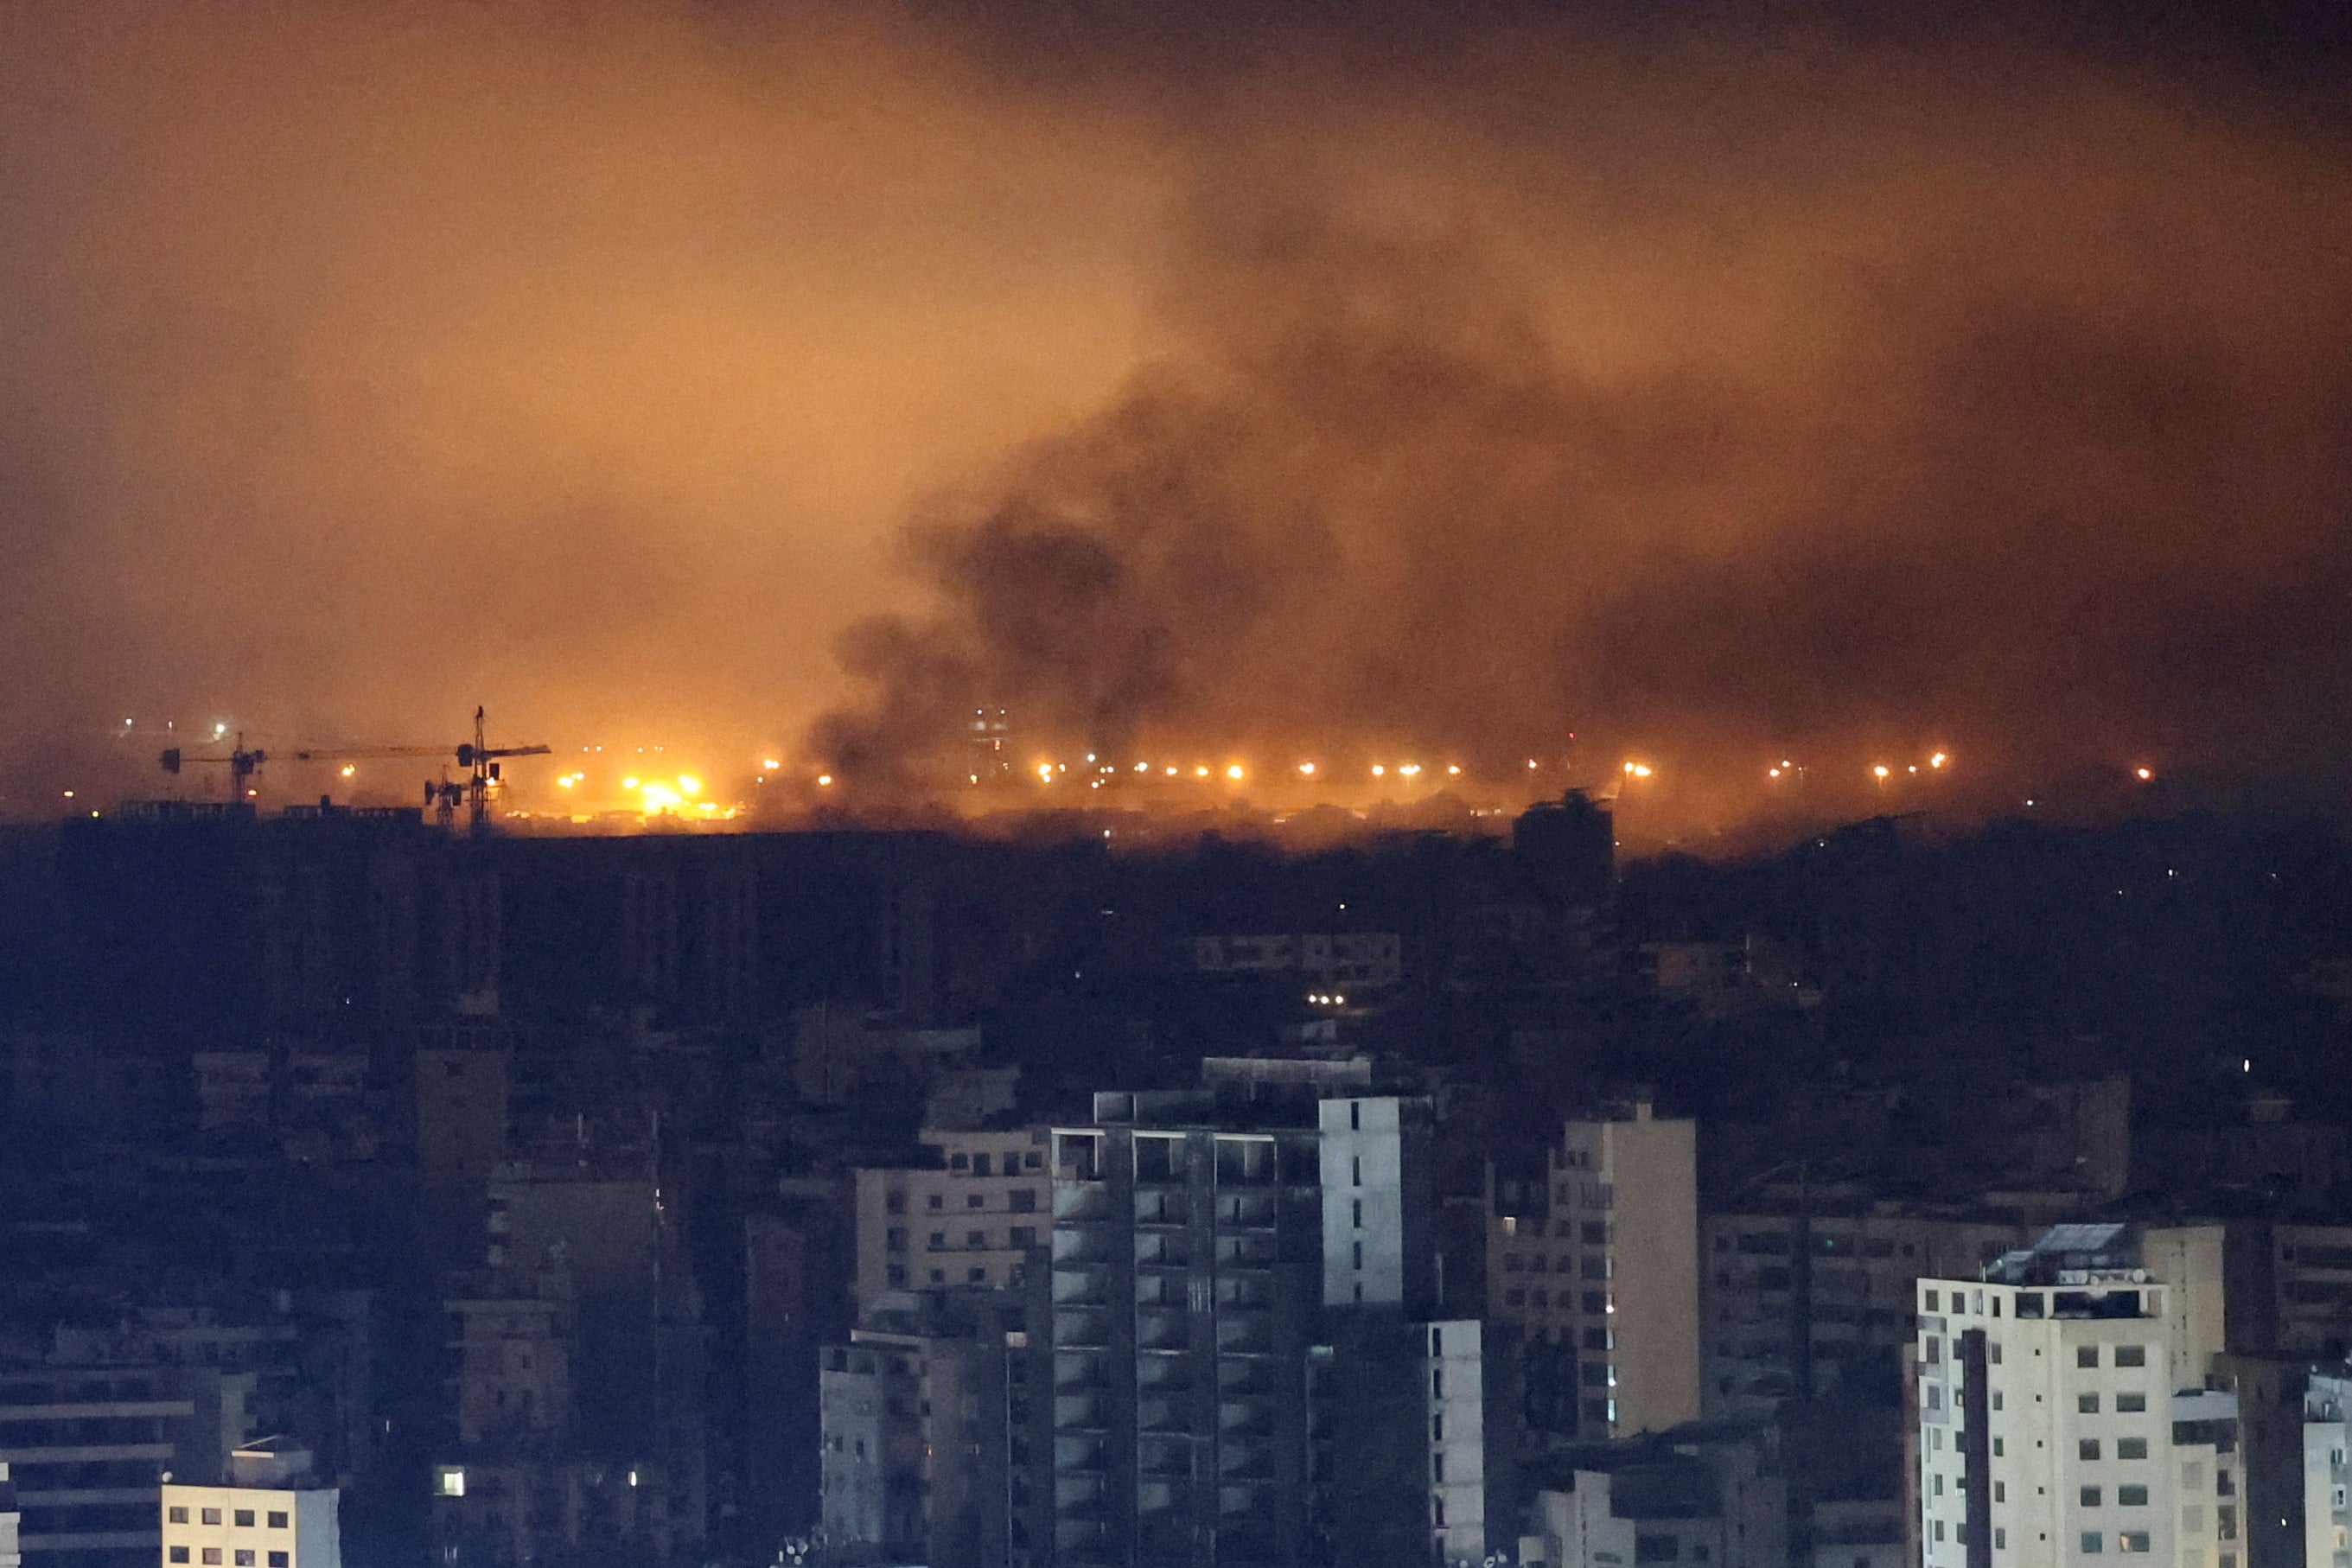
(449, 1480)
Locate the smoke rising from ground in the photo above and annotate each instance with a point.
(1319, 391)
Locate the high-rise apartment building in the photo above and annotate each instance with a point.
(2049, 1431)
(1596, 1264)
(1187, 1275)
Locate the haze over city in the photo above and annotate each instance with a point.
(779, 383)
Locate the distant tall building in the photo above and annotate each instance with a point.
(1569, 848)
(1597, 1264)
(2049, 1432)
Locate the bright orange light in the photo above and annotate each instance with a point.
(2142, 775)
(770, 764)
(1172, 773)
(1379, 772)
(566, 782)
(1454, 769)
(1639, 770)
(1411, 770)
(688, 786)
(1234, 772)
(1306, 768)
(628, 784)
(351, 769)
(1046, 771)
(1938, 760)
(1202, 771)
(1772, 773)
(69, 794)
(825, 780)
(1880, 770)
(1531, 763)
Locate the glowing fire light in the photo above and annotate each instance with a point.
(1234, 772)
(1938, 760)
(825, 780)
(2143, 774)
(1046, 771)
(1880, 772)
(351, 770)
(1379, 772)
(1307, 769)
(628, 784)
(1638, 770)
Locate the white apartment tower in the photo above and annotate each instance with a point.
(270, 1515)
(1376, 1201)
(2049, 1432)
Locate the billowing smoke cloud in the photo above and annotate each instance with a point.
(1843, 415)
(1312, 385)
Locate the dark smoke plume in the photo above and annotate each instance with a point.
(2031, 443)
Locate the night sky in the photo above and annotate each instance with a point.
(1841, 383)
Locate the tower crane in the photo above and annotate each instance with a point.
(443, 795)
(241, 764)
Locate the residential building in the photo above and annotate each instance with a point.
(1377, 1203)
(270, 1513)
(1328, 961)
(1186, 1282)
(916, 1437)
(87, 1446)
(1415, 1444)
(1597, 1263)
(2326, 1442)
(1821, 1304)
(1710, 1493)
(969, 1218)
(2048, 1432)
(10, 1555)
